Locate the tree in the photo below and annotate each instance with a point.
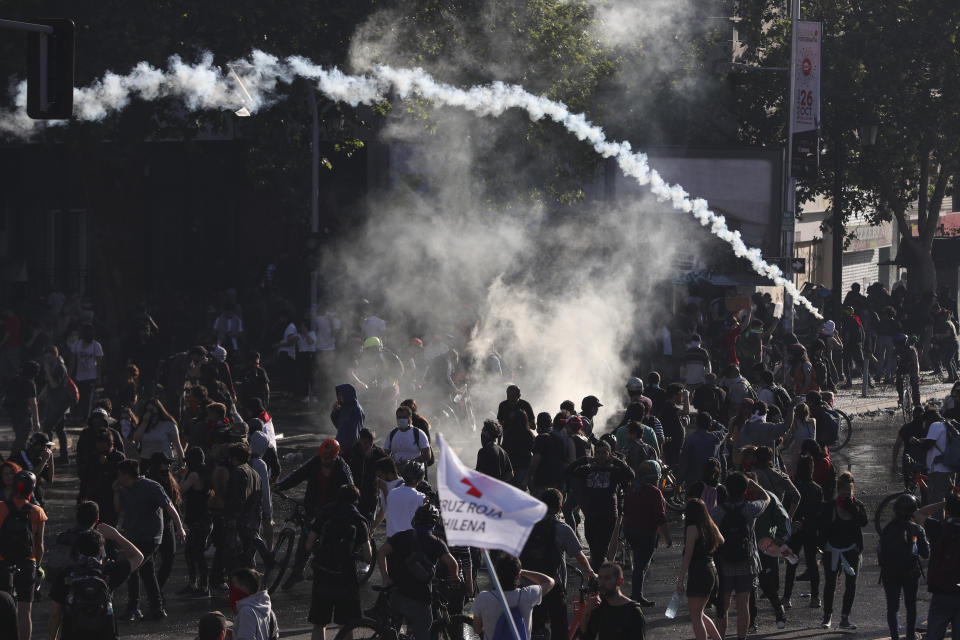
(892, 64)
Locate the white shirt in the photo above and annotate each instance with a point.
(290, 331)
(225, 324)
(403, 446)
(326, 326)
(488, 606)
(86, 355)
(307, 343)
(373, 327)
(402, 503)
(938, 433)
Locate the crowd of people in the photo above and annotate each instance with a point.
(182, 450)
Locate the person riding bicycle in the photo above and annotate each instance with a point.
(408, 562)
(324, 473)
(908, 364)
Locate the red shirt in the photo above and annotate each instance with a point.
(644, 508)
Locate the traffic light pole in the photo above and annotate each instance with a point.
(790, 210)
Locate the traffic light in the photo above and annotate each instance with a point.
(50, 62)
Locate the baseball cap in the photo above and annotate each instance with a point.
(591, 401)
(212, 625)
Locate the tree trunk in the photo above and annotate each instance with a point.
(917, 257)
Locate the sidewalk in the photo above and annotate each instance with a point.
(884, 399)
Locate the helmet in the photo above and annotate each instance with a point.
(373, 342)
(635, 385)
(24, 482)
(426, 515)
(905, 505)
(900, 338)
(412, 471)
(329, 449)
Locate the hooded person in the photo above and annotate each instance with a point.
(347, 415)
(254, 618)
(259, 446)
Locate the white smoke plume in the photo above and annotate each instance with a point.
(253, 85)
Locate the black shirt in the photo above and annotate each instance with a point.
(624, 622)
(601, 480)
(494, 462)
(549, 446)
(20, 391)
(114, 572)
(351, 516)
(404, 544)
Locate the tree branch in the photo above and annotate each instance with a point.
(922, 190)
(933, 208)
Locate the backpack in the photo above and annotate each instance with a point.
(334, 550)
(896, 550)
(541, 552)
(774, 522)
(16, 533)
(88, 609)
(59, 556)
(418, 564)
(944, 567)
(737, 536)
(502, 630)
(828, 427)
(416, 441)
(950, 456)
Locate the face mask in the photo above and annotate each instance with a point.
(403, 423)
(236, 595)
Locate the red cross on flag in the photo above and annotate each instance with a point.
(480, 511)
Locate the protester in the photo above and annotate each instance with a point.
(404, 500)
(944, 566)
(82, 606)
(21, 527)
(407, 442)
(492, 460)
(610, 615)
(196, 516)
(841, 538)
(488, 613)
(20, 403)
(698, 573)
(902, 544)
(87, 358)
(347, 415)
(644, 522)
(602, 476)
(547, 465)
(55, 399)
(546, 551)
(254, 618)
(410, 600)
(516, 417)
(362, 459)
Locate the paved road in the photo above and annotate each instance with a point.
(867, 457)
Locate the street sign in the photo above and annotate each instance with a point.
(805, 162)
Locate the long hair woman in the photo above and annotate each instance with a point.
(697, 571)
(157, 433)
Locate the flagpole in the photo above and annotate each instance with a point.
(503, 598)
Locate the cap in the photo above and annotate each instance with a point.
(828, 327)
(591, 401)
(212, 625)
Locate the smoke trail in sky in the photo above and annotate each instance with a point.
(252, 84)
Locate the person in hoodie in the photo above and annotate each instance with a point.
(253, 613)
(738, 389)
(324, 473)
(695, 363)
(347, 415)
(757, 432)
(258, 447)
(342, 533)
(257, 411)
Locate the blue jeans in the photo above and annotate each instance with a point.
(885, 355)
(944, 610)
(417, 614)
(642, 544)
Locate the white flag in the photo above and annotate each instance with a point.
(480, 511)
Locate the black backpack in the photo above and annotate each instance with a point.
(333, 553)
(737, 545)
(88, 609)
(541, 552)
(417, 563)
(897, 552)
(16, 534)
(782, 398)
(828, 427)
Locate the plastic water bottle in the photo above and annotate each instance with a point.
(915, 551)
(674, 605)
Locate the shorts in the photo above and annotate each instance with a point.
(329, 601)
(19, 579)
(702, 581)
(739, 584)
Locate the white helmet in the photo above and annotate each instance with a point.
(634, 385)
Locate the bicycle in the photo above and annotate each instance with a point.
(673, 491)
(381, 624)
(298, 521)
(915, 485)
(584, 588)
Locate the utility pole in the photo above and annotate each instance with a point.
(788, 225)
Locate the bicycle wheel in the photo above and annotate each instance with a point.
(884, 514)
(364, 570)
(282, 551)
(364, 629)
(458, 627)
(677, 500)
(846, 428)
